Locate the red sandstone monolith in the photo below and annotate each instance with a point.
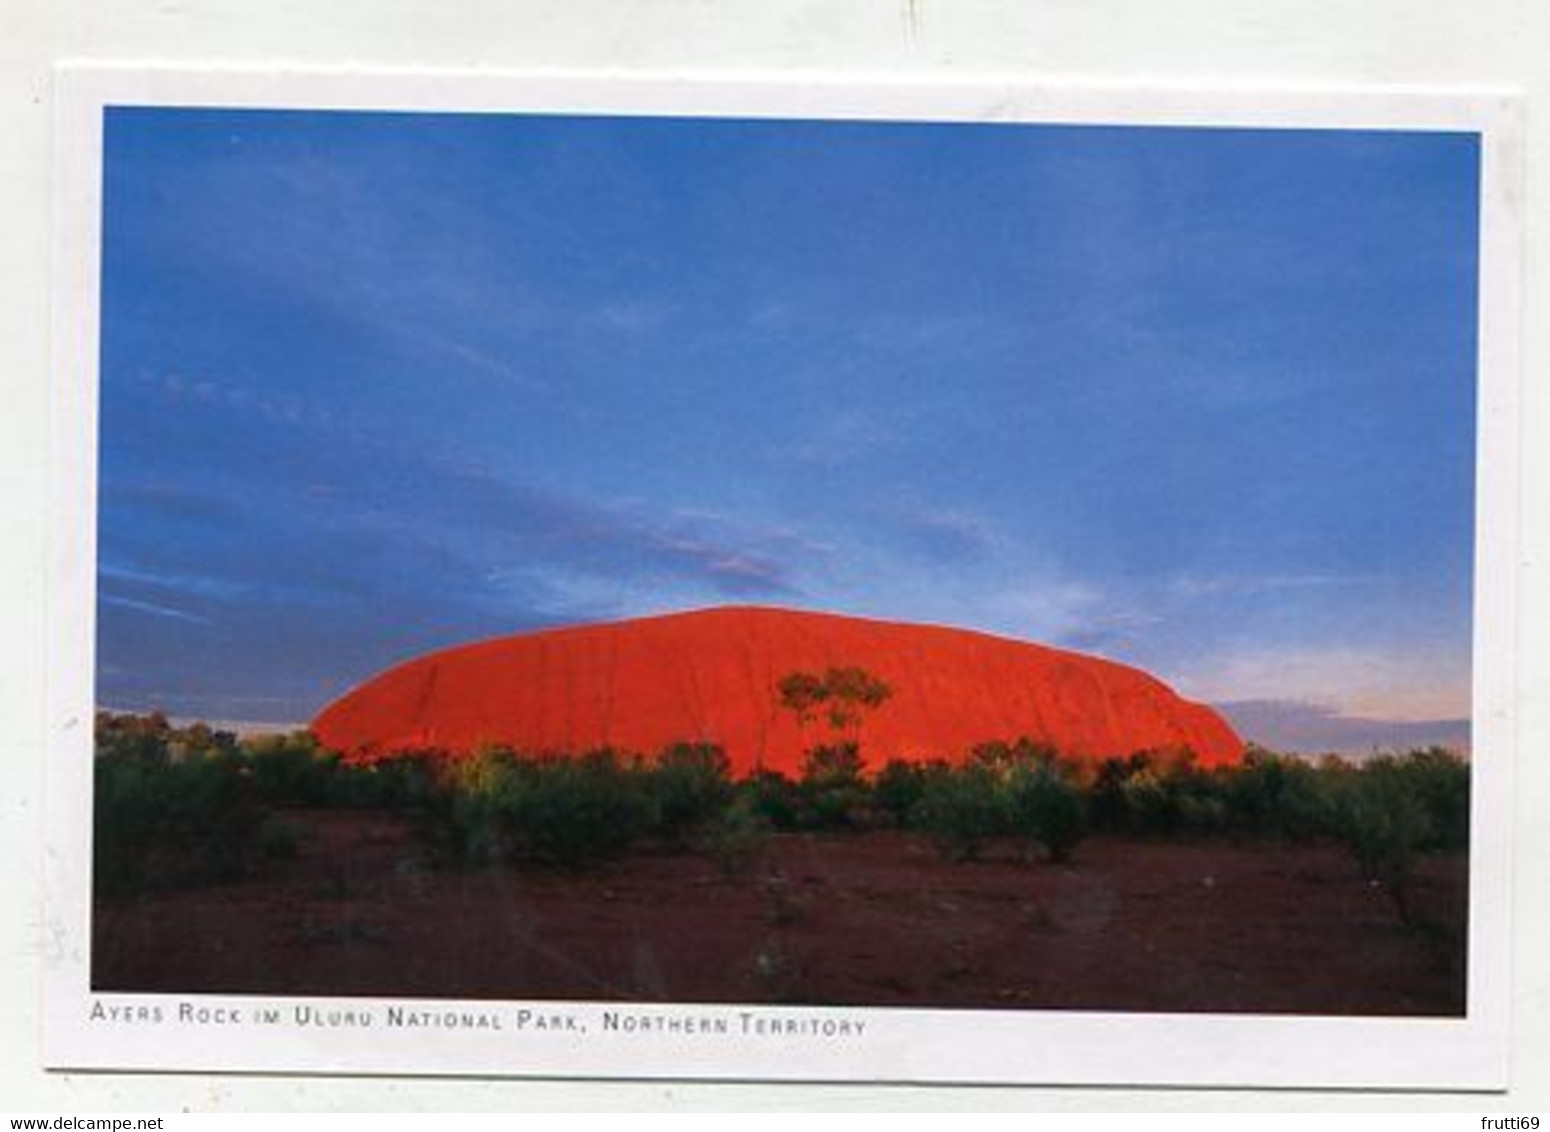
(713, 676)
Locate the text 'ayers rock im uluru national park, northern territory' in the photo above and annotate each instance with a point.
(714, 675)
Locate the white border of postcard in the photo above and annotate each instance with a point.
(200, 1032)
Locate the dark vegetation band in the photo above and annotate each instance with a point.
(191, 805)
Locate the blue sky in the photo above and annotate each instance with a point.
(1199, 400)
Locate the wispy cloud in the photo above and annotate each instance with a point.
(1391, 683)
(1199, 585)
(153, 609)
(630, 316)
(1115, 634)
(200, 585)
(942, 533)
(484, 361)
(1045, 606)
(288, 410)
(357, 480)
(1289, 725)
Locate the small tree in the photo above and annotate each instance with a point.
(1000, 756)
(1382, 814)
(690, 783)
(899, 787)
(832, 791)
(1042, 807)
(961, 809)
(851, 693)
(801, 693)
(844, 695)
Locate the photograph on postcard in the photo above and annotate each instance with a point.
(867, 564)
(783, 563)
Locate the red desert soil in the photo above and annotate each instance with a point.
(862, 919)
(712, 676)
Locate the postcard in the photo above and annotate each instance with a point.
(731, 578)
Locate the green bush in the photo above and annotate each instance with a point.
(160, 823)
(1042, 807)
(1440, 780)
(407, 782)
(690, 784)
(564, 812)
(1159, 793)
(1381, 819)
(735, 837)
(960, 810)
(290, 770)
(1106, 791)
(1000, 756)
(471, 808)
(833, 794)
(1390, 811)
(576, 811)
(899, 787)
(146, 737)
(1276, 796)
(189, 804)
(775, 798)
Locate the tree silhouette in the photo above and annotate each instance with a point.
(844, 695)
(801, 693)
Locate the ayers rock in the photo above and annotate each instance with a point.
(712, 676)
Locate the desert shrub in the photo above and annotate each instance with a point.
(1108, 805)
(200, 739)
(153, 735)
(1042, 807)
(290, 770)
(1000, 756)
(1159, 793)
(1147, 806)
(294, 771)
(158, 822)
(774, 797)
(1276, 796)
(690, 784)
(960, 810)
(564, 812)
(833, 793)
(132, 736)
(1381, 819)
(577, 811)
(1440, 781)
(1390, 810)
(735, 836)
(406, 782)
(1199, 799)
(471, 809)
(899, 787)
